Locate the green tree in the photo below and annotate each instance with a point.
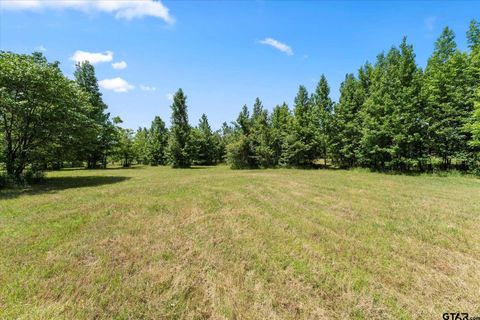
(239, 148)
(473, 35)
(322, 117)
(179, 147)
(206, 147)
(260, 136)
(281, 127)
(97, 146)
(393, 119)
(300, 147)
(473, 126)
(348, 123)
(41, 112)
(157, 142)
(140, 146)
(125, 151)
(448, 100)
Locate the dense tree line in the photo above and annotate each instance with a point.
(391, 115)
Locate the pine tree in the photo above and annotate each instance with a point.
(260, 136)
(473, 34)
(179, 146)
(157, 142)
(393, 119)
(322, 114)
(206, 147)
(473, 125)
(408, 124)
(300, 147)
(347, 134)
(376, 141)
(99, 144)
(281, 123)
(243, 122)
(140, 145)
(448, 100)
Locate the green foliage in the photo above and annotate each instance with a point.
(124, 150)
(239, 153)
(473, 126)
(390, 116)
(157, 142)
(448, 100)
(347, 126)
(393, 122)
(322, 117)
(281, 124)
(42, 113)
(204, 143)
(301, 147)
(140, 146)
(99, 143)
(179, 146)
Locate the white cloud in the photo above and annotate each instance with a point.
(116, 84)
(92, 57)
(169, 96)
(41, 48)
(277, 45)
(147, 88)
(430, 23)
(122, 9)
(119, 65)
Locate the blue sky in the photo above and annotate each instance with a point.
(223, 54)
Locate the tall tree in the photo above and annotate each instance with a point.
(206, 144)
(322, 113)
(41, 111)
(393, 119)
(473, 34)
(448, 100)
(300, 147)
(473, 126)
(140, 146)
(240, 152)
(179, 146)
(281, 123)
(97, 147)
(408, 124)
(260, 136)
(348, 126)
(157, 142)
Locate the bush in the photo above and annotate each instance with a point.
(239, 154)
(27, 178)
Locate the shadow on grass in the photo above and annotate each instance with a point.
(98, 169)
(54, 184)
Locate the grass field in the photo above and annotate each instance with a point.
(155, 243)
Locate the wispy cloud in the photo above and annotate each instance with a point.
(116, 85)
(122, 9)
(119, 65)
(40, 48)
(169, 96)
(92, 57)
(277, 45)
(147, 88)
(429, 23)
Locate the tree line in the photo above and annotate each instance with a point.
(391, 115)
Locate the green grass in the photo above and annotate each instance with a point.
(154, 242)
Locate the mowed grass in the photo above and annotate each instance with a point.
(162, 243)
